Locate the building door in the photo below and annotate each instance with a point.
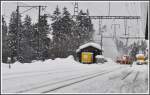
(87, 57)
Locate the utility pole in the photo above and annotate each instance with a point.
(39, 32)
(115, 26)
(76, 9)
(109, 9)
(126, 34)
(18, 43)
(100, 33)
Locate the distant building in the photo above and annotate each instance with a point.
(87, 53)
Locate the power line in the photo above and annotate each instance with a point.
(109, 9)
(134, 6)
(114, 34)
(127, 9)
(25, 4)
(26, 10)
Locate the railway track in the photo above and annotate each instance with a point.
(128, 86)
(42, 73)
(126, 75)
(30, 72)
(11, 76)
(49, 87)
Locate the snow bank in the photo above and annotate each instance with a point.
(35, 66)
(89, 44)
(141, 68)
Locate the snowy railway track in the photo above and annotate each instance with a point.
(49, 87)
(42, 73)
(129, 84)
(29, 72)
(125, 76)
(12, 76)
(136, 76)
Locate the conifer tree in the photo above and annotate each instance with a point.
(15, 35)
(5, 49)
(26, 41)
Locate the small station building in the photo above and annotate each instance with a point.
(87, 53)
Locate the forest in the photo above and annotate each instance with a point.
(68, 33)
(32, 41)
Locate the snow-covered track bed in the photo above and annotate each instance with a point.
(36, 73)
(69, 76)
(67, 82)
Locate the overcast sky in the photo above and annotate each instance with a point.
(117, 8)
(95, 8)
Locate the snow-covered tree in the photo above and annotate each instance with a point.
(13, 35)
(85, 27)
(26, 41)
(136, 47)
(69, 34)
(41, 42)
(5, 49)
(44, 40)
(61, 32)
(56, 14)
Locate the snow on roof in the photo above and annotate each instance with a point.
(99, 56)
(89, 44)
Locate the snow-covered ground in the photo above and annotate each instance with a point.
(65, 75)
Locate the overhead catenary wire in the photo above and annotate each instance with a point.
(25, 5)
(27, 10)
(135, 6)
(109, 9)
(127, 6)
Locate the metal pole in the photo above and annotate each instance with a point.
(115, 25)
(109, 9)
(101, 41)
(125, 23)
(39, 32)
(100, 32)
(18, 33)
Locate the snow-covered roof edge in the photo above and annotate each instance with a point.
(89, 44)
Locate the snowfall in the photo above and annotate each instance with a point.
(65, 75)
